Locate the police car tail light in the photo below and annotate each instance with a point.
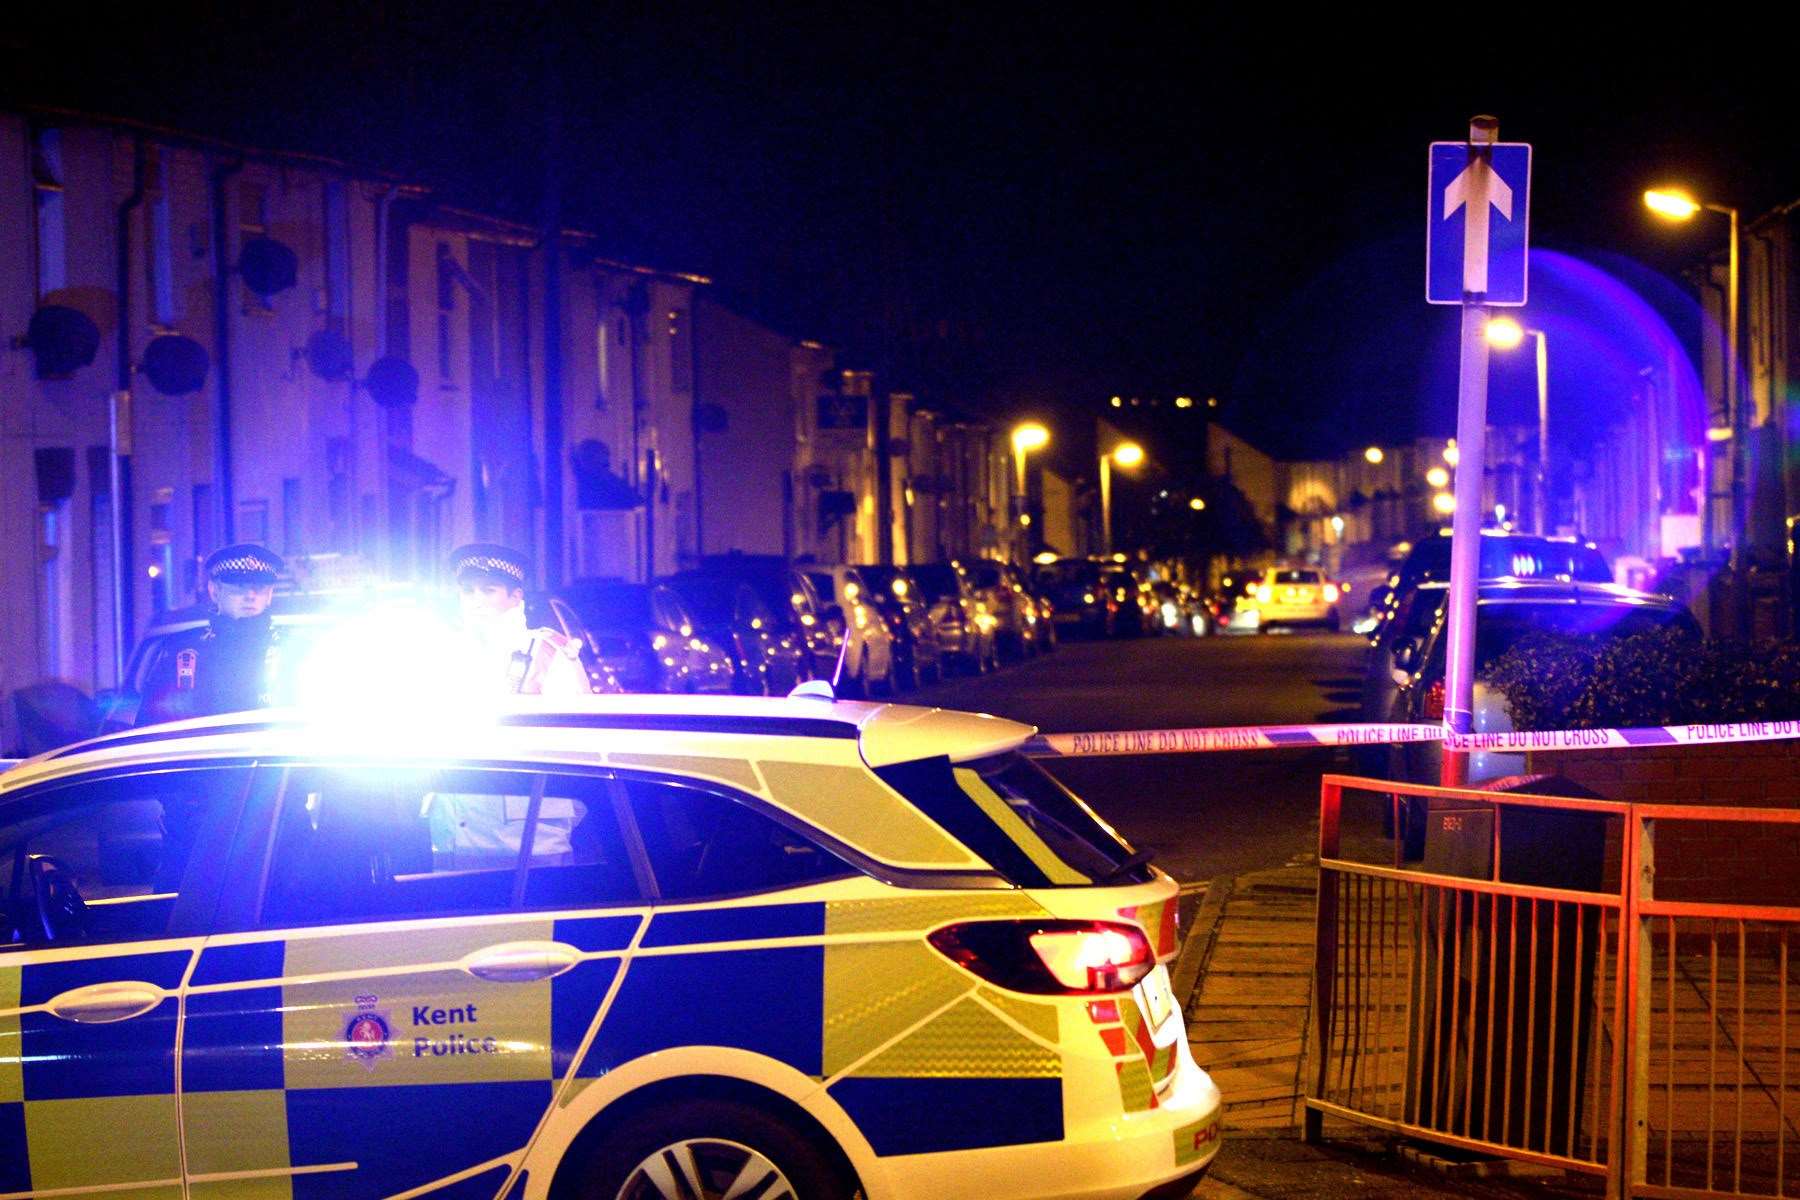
(1070, 958)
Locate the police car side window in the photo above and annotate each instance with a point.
(703, 843)
(99, 861)
(372, 844)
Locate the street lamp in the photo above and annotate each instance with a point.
(1027, 437)
(1127, 455)
(1505, 334)
(1673, 204)
(1374, 455)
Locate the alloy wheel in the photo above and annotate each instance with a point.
(707, 1169)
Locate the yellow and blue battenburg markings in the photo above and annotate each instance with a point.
(349, 1063)
(376, 1049)
(68, 1088)
(920, 1055)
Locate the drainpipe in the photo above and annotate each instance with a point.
(119, 430)
(223, 503)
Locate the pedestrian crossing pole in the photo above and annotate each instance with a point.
(1471, 449)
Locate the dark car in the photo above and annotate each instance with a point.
(648, 638)
(1506, 611)
(790, 597)
(1132, 617)
(1081, 603)
(965, 627)
(1504, 555)
(903, 605)
(769, 657)
(1410, 604)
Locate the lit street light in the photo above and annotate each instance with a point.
(1451, 454)
(1026, 437)
(1673, 204)
(1438, 477)
(1127, 455)
(1374, 455)
(1197, 504)
(1505, 334)
(1444, 503)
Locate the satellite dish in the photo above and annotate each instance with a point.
(710, 418)
(175, 365)
(392, 382)
(62, 340)
(328, 355)
(268, 266)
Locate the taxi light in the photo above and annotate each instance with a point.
(1331, 593)
(1067, 958)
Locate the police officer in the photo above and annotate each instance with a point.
(471, 832)
(227, 665)
(490, 583)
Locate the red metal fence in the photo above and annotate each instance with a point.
(1535, 999)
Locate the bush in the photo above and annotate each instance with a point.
(1666, 677)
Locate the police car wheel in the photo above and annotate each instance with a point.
(708, 1150)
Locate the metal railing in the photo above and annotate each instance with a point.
(1592, 1027)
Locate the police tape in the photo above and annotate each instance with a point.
(1292, 737)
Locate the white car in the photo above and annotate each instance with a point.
(626, 947)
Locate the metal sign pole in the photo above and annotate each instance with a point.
(1471, 446)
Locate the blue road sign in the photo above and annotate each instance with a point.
(1477, 223)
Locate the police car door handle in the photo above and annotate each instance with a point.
(521, 962)
(103, 1003)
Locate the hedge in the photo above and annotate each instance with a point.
(1555, 681)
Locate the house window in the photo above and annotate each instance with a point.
(293, 514)
(55, 484)
(253, 521)
(47, 186)
(446, 296)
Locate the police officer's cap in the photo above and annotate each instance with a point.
(246, 564)
(487, 562)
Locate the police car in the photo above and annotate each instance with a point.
(628, 946)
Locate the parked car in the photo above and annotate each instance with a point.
(1015, 616)
(769, 657)
(902, 601)
(870, 663)
(1082, 605)
(1135, 606)
(1040, 621)
(1180, 610)
(1506, 612)
(965, 627)
(1504, 555)
(1291, 597)
(790, 596)
(649, 639)
(828, 949)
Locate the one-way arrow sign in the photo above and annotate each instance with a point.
(1477, 219)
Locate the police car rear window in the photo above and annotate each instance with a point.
(1025, 824)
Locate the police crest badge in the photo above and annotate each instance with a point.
(368, 1036)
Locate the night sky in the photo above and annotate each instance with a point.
(1016, 209)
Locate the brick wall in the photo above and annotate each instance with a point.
(1700, 860)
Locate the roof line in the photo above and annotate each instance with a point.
(217, 145)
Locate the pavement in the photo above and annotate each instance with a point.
(1245, 976)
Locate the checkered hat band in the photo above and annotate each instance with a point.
(244, 562)
(482, 562)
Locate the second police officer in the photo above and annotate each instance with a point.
(230, 663)
(490, 585)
